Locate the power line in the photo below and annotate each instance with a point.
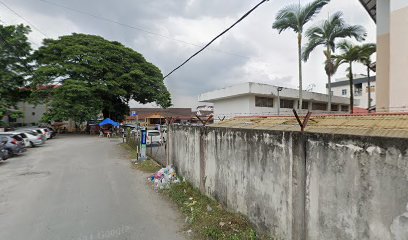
(219, 35)
(137, 28)
(29, 23)
(32, 42)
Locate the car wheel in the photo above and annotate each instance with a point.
(6, 154)
(32, 144)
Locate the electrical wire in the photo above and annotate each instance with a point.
(137, 28)
(32, 42)
(218, 36)
(29, 23)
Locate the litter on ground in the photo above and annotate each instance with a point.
(163, 178)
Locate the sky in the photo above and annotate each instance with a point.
(167, 32)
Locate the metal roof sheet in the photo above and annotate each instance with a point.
(388, 125)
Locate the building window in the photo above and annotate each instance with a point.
(335, 107)
(372, 89)
(305, 105)
(286, 103)
(264, 102)
(33, 113)
(344, 92)
(344, 108)
(358, 89)
(319, 106)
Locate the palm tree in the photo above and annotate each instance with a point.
(294, 17)
(350, 53)
(326, 34)
(366, 50)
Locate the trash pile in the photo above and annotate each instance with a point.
(163, 178)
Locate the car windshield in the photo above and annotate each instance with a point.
(18, 138)
(33, 133)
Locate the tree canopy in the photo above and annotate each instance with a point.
(14, 65)
(111, 73)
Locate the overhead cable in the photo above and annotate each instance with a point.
(219, 35)
(136, 27)
(26, 20)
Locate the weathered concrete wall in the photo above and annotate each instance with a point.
(357, 188)
(294, 186)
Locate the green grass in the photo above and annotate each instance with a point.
(206, 218)
(148, 166)
(131, 151)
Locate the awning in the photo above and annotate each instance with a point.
(109, 121)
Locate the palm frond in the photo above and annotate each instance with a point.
(309, 47)
(287, 18)
(311, 9)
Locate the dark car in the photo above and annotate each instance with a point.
(3, 152)
(14, 144)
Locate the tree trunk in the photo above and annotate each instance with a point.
(329, 80)
(369, 87)
(351, 88)
(300, 70)
(329, 84)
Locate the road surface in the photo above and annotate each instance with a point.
(81, 188)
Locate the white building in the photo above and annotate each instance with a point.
(256, 99)
(32, 114)
(341, 87)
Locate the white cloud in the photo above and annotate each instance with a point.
(264, 55)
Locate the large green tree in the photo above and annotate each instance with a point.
(294, 17)
(74, 100)
(326, 34)
(114, 74)
(14, 65)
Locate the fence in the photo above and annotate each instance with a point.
(157, 152)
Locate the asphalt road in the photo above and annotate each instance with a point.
(81, 188)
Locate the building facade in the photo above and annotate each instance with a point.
(341, 87)
(256, 99)
(392, 53)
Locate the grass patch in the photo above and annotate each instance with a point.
(148, 166)
(206, 218)
(131, 151)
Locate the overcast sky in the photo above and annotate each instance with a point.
(252, 51)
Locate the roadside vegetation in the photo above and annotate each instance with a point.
(148, 166)
(206, 218)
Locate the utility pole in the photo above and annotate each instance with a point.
(279, 89)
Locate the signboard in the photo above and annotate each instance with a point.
(143, 145)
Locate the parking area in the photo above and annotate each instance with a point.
(80, 187)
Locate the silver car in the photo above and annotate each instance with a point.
(31, 139)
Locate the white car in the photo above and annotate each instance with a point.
(35, 139)
(153, 137)
(30, 139)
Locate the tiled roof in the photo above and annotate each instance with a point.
(387, 125)
(371, 7)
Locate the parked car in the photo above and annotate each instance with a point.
(153, 137)
(31, 139)
(3, 152)
(14, 144)
(52, 132)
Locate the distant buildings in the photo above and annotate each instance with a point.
(32, 114)
(153, 116)
(341, 87)
(256, 99)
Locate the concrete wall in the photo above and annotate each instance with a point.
(294, 186)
